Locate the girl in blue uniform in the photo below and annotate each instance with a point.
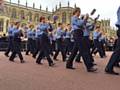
(45, 43)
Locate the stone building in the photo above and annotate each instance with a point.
(24, 13)
(107, 29)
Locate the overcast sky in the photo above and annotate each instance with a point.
(106, 8)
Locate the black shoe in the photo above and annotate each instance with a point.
(70, 68)
(22, 61)
(78, 61)
(92, 70)
(51, 64)
(52, 54)
(111, 72)
(11, 60)
(34, 57)
(94, 64)
(39, 63)
(6, 55)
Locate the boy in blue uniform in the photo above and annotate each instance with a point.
(10, 39)
(34, 41)
(60, 42)
(30, 46)
(16, 43)
(102, 41)
(51, 37)
(68, 33)
(88, 27)
(96, 37)
(37, 40)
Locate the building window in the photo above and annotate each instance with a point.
(70, 15)
(22, 14)
(30, 16)
(14, 13)
(36, 18)
(64, 17)
(1, 25)
(7, 24)
(6, 10)
(9, 9)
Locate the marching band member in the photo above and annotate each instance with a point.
(44, 40)
(10, 39)
(68, 39)
(116, 54)
(30, 35)
(17, 43)
(60, 42)
(78, 26)
(96, 37)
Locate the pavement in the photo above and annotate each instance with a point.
(30, 76)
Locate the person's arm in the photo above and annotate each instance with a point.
(78, 22)
(90, 26)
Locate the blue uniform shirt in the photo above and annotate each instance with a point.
(16, 33)
(60, 33)
(29, 33)
(88, 27)
(38, 31)
(86, 32)
(34, 35)
(102, 39)
(96, 35)
(42, 28)
(68, 34)
(76, 23)
(10, 31)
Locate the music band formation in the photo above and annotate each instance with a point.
(72, 40)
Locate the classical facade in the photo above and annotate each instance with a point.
(26, 14)
(107, 29)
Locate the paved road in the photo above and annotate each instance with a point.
(30, 76)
